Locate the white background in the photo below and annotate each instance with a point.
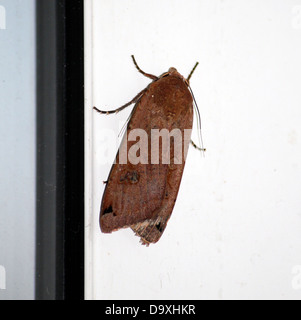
(235, 232)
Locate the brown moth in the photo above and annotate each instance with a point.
(142, 195)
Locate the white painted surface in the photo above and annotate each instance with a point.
(235, 232)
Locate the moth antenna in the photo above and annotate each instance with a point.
(144, 73)
(191, 72)
(198, 119)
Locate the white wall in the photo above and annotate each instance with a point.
(235, 232)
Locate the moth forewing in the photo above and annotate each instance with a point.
(144, 180)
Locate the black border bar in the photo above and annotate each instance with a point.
(60, 150)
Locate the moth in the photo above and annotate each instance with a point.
(142, 194)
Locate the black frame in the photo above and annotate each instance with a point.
(60, 150)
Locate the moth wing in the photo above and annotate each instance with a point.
(151, 230)
(142, 196)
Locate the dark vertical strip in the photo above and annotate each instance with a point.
(50, 146)
(60, 150)
(74, 220)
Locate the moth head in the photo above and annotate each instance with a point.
(172, 70)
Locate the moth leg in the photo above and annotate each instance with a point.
(144, 73)
(137, 97)
(196, 147)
